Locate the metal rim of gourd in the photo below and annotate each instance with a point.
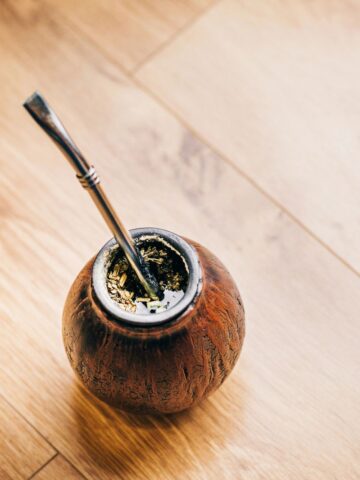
(104, 259)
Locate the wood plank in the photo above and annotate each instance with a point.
(279, 85)
(290, 408)
(22, 449)
(58, 469)
(129, 30)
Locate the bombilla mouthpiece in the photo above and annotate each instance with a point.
(47, 119)
(43, 114)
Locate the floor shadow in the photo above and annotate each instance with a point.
(134, 446)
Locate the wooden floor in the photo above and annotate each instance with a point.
(235, 123)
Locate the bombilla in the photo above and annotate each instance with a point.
(43, 114)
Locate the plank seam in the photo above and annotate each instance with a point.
(43, 466)
(172, 38)
(56, 450)
(243, 174)
(29, 423)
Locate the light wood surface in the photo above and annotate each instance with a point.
(129, 31)
(279, 83)
(22, 449)
(291, 407)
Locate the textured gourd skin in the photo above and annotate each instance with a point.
(159, 369)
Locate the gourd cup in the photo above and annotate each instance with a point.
(155, 363)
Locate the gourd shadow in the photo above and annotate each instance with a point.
(137, 446)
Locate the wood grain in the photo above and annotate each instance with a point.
(129, 31)
(22, 449)
(291, 408)
(279, 83)
(58, 469)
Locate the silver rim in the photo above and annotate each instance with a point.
(105, 257)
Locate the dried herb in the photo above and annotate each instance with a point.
(165, 263)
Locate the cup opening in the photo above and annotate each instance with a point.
(181, 251)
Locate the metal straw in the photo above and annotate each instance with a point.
(50, 123)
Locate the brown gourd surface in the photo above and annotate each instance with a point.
(156, 369)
